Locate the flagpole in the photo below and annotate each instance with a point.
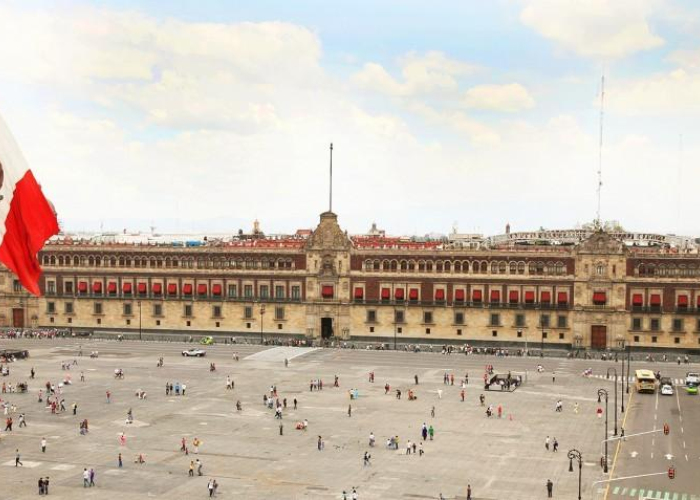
(330, 196)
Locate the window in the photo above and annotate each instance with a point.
(296, 292)
(16, 286)
(544, 320)
(697, 325)
(248, 291)
(157, 309)
(232, 291)
(264, 291)
(495, 319)
(636, 324)
(520, 333)
(127, 309)
(519, 320)
(248, 312)
(68, 287)
(636, 338)
(459, 318)
(371, 329)
(128, 322)
(188, 323)
(654, 324)
(676, 340)
(427, 317)
(399, 330)
(494, 333)
(216, 311)
(371, 316)
(51, 307)
(188, 310)
(427, 331)
(677, 325)
(279, 326)
(653, 340)
(561, 321)
(459, 331)
(279, 313)
(544, 335)
(97, 308)
(51, 287)
(561, 336)
(99, 321)
(398, 316)
(279, 292)
(600, 269)
(51, 319)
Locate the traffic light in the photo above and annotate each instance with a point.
(667, 430)
(671, 472)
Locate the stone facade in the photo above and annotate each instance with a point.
(599, 294)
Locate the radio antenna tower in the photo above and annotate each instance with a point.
(600, 149)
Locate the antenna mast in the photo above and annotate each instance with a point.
(330, 196)
(600, 149)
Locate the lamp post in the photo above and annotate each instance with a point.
(262, 313)
(603, 392)
(395, 327)
(140, 332)
(629, 361)
(625, 380)
(607, 375)
(542, 345)
(576, 455)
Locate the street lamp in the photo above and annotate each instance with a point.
(395, 327)
(603, 392)
(542, 345)
(607, 375)
(262, 313)
(140, 334)
(629, 361)
(576, 455)
(625, 380)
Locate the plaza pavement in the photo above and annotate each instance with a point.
(501, 458)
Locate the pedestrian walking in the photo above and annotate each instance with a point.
(86, 478)
(431, 432)
(41, 486)
(43, 445)
(109, 394)
(576, 408)
(198, 463)
(120, 463)
(92, 477)
(191, 471)
(550, 488)
(18, 458)
(349, 410)
(281, 429)
(555, 445)
(295, 403)
(469, 492)
(546, 444)
(365, 459)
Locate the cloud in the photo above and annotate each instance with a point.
(688, 59)
(608, 29)
(509, 97)
(422, 74)
(674, 93)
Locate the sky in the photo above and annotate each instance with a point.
(204, 116)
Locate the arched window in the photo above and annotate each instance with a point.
(438, 266)
(98, 261)
(512, 267)
(60, 260)
(501, 268)
(386, 265)
(540, 268)
(532, 268)
(394, 265)
(494, 267)
(377, 265)
(484, 267)
(458, 267)
(600, 269)
(91, 261)
(411, 265)
(559, 267)
(368, 265)
(429, 266)
(404, 265)
(521, 268)
(448, 266)
(421, 266)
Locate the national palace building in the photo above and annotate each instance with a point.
(598, 293)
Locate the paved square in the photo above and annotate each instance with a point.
(243, 450)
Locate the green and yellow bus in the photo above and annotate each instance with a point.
(645, 381)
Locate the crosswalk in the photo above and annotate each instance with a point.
(653, 494)
(630, 380)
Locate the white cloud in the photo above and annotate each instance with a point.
(688, 59)
(674, 93)
(509, 97)
(422, 74)
(594, 28)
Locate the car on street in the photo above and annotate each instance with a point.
(691, 389)
(194, 353)
(209, 340)
(692, 378)
(666, 390)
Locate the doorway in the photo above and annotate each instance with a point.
(326, 328)
(18, 317)
(599, 336)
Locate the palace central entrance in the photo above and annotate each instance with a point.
(599, 336)
(326, 328)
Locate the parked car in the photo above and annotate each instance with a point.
(194, 353)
